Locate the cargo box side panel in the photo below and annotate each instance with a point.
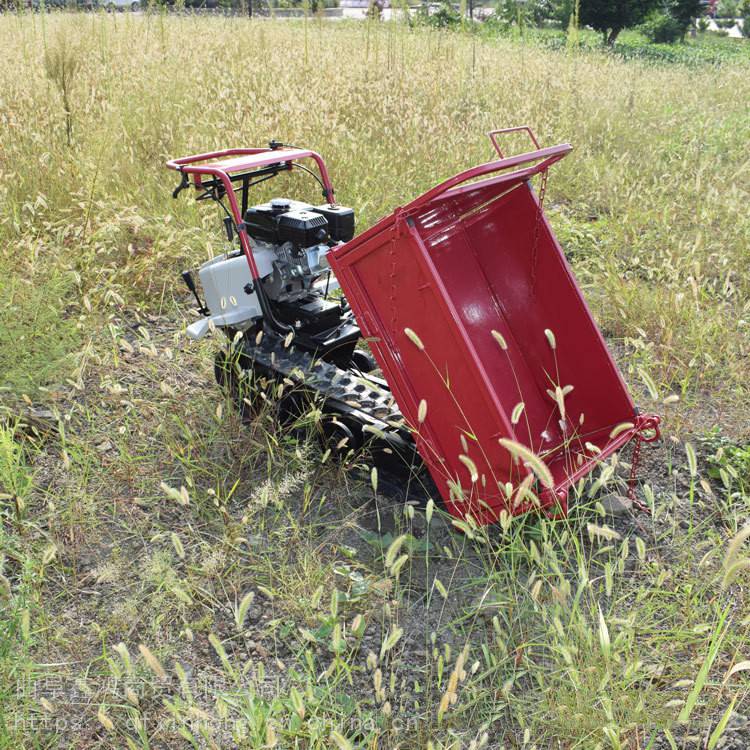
(491, 333)
(528, 273)
(505, 272)
(392, 287)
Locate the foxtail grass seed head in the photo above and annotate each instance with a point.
(104, 720)
(377, 683)
(393, 549)
(733, 570)
(428, 511)
(602, 532)
(456, 491)
(422, 412)
(650, 384)
(242, 609)
(500, 340)
(271, 739)
(412, 336)
(640, 548)
(560, 400)
(517, 412)
(551, 340)
(733, 564)
(49, 554)
(535, 591)
(177, 544)
(5, 588)
(691, 459)
(735, 544)
(357, 626)
(400, 562)
(505, 519)
(530, 459)
(390, 641)
(620, 428)
(153, 663)
(457, 675)
(124, 654)
(471, 466)
(341, 742)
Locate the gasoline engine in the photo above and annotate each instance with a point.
(290, 241)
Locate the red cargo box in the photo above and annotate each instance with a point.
(470, 306)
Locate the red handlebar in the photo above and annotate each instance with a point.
(242, 160)
(246, 159)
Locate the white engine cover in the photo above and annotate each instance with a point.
(224, 280)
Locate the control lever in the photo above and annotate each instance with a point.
(187, 277)
(229, 227)
(184, 183)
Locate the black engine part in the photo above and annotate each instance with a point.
(340, 221)
(302, 228)
(284, 220)
(262, 221)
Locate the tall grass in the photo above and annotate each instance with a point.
(651, 206)
(187, 578)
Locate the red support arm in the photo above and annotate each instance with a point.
(222, 164)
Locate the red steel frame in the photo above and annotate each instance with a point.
(221, 164)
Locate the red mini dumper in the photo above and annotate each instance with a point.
(498, 373)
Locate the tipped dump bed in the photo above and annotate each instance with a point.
(469, 306)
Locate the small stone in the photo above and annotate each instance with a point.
(616, 505)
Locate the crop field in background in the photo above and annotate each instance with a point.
(172, 577)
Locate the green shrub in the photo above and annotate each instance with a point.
(662, 28)
(444, 17)
(727, 9)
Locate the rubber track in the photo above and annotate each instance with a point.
(361, 397)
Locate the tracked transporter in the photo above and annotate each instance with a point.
(482, 358)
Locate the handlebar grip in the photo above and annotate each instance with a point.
(185, 183)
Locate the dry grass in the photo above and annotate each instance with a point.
(172, 577)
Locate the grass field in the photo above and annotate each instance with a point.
(172, 577)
